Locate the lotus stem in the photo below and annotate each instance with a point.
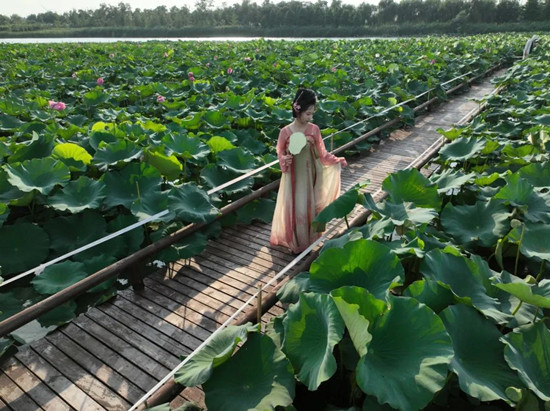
(519, 247)
(517, 308)
(346, 220)
(138, 193)
(539, 275)
(536, 313)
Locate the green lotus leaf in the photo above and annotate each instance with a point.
(487, 180)
(79, 195)
(216, 351)
(261, 209)
(100, 138)
(168, 166)
(251, 141)
(406, 361)
(411, 186)
(534, 242)
(215, 119)
(61, 314)
(527, 351)
(290, 292)
(312, 327)
(132, 182)
(406, 213)
(479, 355)
(4, 213)
(451, 134)
(358, 309)
(30, 332)
(130, 241)
(186, 147)
(41, 174)
(467, 278)
(258, 377)
(37, 147)
(535, 294)
(8, 122)
(236, 102)
(17, 253)
(481, 224)
(150, 204)
(94, 97)
(9, 305)
(430, 293)
(339, 208)
(72, 155)
(192, 121)
(96, 263)
(361, 263)
(462, 149)
(237, 160)
(218, 144)
(119, 151)
(57, 277)
(537, 174)
(5, 344)
(450, 179)
(516, 192)
(191, 204)
(215, 175)
(7, 191)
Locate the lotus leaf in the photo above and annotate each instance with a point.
(406, 361)
(192, 121)
(191, 204)
(527, 351)
(4, 213)
(362, 263)
(132, 240)
(535, 294)
(79, 195)
(358, 309)
(449, 180)
(430, 293)
(22, 246)
(218, 144)
(451, 134)
(8, 122)
(215, 175)
(215, 119)
(258, 377)
(479, 355)
(411, 186)
(132, 182)
(31, 331)
(9, 305)
(312, 327)
(516, 192)
(94, 97)
(537, 174)
(59, 315)
(41, 174)
(102, 138)
(96, 263)
(290, 292)
(168, 166)
(5, 345)
(218, 350)
(119, 151)
(406, 213)
(339, 208)
(261, 209)
(462, 149)
(186, 147)
(535, 240)
(57, 277)
(237, 160)
(72, 155)
(38, 147)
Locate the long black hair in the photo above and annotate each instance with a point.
(304, 98)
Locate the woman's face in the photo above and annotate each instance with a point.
(307, 115)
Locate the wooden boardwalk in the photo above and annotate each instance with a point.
(109, 357)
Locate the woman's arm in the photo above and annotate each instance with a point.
(285, 159)
(325, 157)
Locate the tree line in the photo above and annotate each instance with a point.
(289, 13)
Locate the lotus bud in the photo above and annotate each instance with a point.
(515, 223)
(529, 279)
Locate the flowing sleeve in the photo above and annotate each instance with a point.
(326, 158)
(282, 148)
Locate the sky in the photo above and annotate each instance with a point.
(25, 7)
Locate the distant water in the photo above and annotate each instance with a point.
(144, 39)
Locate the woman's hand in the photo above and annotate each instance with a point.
(287, 160)
(343, 162)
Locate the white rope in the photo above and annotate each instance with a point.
(37, 270)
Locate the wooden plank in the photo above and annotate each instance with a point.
(98, 391)
(96, 367)
(56, 381)
(15, 397)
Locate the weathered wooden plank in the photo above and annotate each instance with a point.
(15, 397)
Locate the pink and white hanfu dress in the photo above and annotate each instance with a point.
(308, 185)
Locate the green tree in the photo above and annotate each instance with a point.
(508, 11)
(532, 11)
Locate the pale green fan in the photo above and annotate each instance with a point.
(297, 142)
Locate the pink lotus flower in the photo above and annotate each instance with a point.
(160, 99)
(275, 64)
(56, 105)
(247, 59)
(190, 74)
(432, 62)
(334, 69)
(165, 54)
(207, 64)
(229, 70)
(191, 79)
(100, 81)
(74, 75)
(111, 55)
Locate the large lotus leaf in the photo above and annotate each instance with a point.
(258, 377)
(479, 355)
(215, 119)
(74, 231)
(41, 174)
(237, 160)
(462, 149)
(215, 175)
(218, 143)
(261, 209)
(57, 277)
(150, 204)
(96, 263)
(290, 292)
(535, 294)
(538, 209)
(9, 305)
(102, 138)
(132, 182)
(192, 121)
(339, 208)
(214, 353)
(79, 195)
(467, 278)
(8, 122)
(358, 308)
(534, 242)
(430, 293)
(191, 204)
(7, 191)
(406, 213)
(37, 147)
(119, 151)
(59, 315)
(528, 352)
(94, 97)
(131, 240)
(4, 213)
(362, 263)
(411, 186)
(186, 147)
(516, 192)
(31, 331)
(537, 174)
(72, 155)
(407, 360)
(22, 246)
(450, 179)
(481, 224)
(168, 166)
(313, 327)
